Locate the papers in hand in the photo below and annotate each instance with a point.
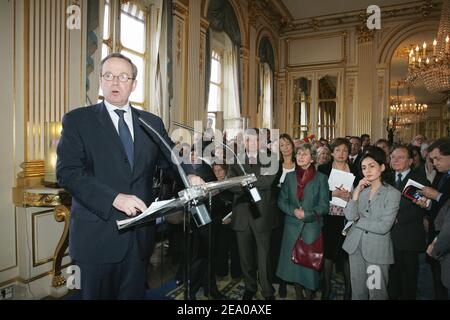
(347, 227)
(227, 216)
(152, 209)
(410, 191)
(337, 179)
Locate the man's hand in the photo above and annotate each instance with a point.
(226, 221)
(431, 247)
(195, 180)
(421, 203)
(129, 204)
(430, 193)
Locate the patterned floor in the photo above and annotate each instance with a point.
(233, 289)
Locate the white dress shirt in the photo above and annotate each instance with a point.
(404, 174)
(115, 117)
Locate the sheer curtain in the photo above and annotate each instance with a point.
(267, 100)
(231, 105)
(155, 83)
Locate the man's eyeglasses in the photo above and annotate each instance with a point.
(123, 77)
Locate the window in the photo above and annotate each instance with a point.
(267, 100)
(224, 83)
(129, 39)
(215, 83)
(326, 122)
(302, 107)
(315, 103)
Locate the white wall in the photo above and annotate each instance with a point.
(7, 144)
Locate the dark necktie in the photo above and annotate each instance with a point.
(399, 181)
(125, 136)
(352, 160)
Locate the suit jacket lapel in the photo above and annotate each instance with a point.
(107, 124)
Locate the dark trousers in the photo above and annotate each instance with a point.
(123, 280)
(227, 253)
(440, 292)
(254, 249)
(403, 275)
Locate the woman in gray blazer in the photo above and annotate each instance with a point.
(373, 210)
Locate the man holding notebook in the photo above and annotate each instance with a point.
(408, 234)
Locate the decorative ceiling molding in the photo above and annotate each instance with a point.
(268, 10)
(283, 18)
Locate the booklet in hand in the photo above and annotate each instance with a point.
(411, 191)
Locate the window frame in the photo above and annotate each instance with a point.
(314, 75)
(114, 44)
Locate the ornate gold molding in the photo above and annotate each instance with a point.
(179, 41)
(40, 197)
(204, 24)
(364, 34)
(351, 89)
(180, 9)
(418, 8)
(62, 214)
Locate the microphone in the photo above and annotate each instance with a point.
(250, 189)
(197, 209)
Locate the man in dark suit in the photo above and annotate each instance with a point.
(439, 249)
(355, 152)
(106, 160)
(439, 193)
(408, 234)
(254, 229)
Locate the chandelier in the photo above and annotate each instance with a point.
(405, 110)
(431, 63)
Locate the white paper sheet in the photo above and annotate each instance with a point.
(339, 178)
(153, 208)
(227, 216)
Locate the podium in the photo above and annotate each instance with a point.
(189, 200)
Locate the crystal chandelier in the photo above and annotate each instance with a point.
(405, 110)
(431, 63)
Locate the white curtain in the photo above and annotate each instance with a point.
(154, 36)
(267, 96)
(231, 107)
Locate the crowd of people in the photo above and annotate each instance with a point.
(390, 235)
(111, 165)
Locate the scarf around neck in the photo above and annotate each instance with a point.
(303, 178)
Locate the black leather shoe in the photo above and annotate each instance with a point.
(270, 298)
(248, 295)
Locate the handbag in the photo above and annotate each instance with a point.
(308, 255)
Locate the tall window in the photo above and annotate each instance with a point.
(224, 82)
(326, 120)
(315, 105)
(302, 107)
(127, 35)
(215, 83)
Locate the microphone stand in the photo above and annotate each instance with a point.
(198, 210)
(251, 190)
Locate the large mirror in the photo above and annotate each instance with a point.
(413, 109)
